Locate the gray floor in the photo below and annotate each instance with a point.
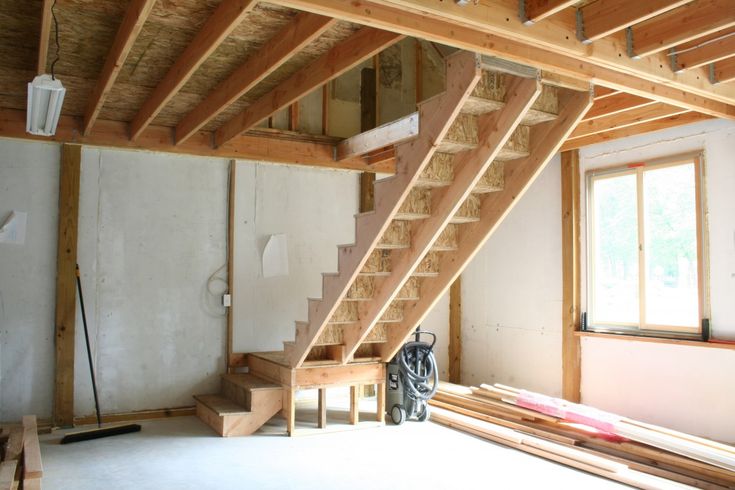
(184, 453)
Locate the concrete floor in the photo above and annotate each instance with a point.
(184, 453)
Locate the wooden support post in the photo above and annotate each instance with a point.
(571, 356)
(380, 409)
(230, 256)
(354, 404)
(322, 409)
(455, 331)
(289, 409)
(293, 117)
(66, 259)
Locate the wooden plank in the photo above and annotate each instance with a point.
(44, 33)
(354, 50)
(626, 118)
(262, 144)
(66, 304)
(291, 39)
(546, 139)
(231, 193)
(604, 17)
(15, 443)
(693, 20)
(221, 23)
(388, 134)
(160, 413)
(571, 362)
(601, 92)
(354, 404)
(380, 408)
(615, 104)
(710, 52)
(724, 71)
(32, 467)
(7, 474)
(553, 48)
(656, 340)
(533, 11)
(322, 409)
(646, 127)
(289, 410)
(494, 130)
(455, 331)
(322, 377)
(135, 16)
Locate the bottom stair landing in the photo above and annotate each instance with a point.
(248, 401)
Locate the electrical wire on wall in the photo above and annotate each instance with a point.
(216, 287)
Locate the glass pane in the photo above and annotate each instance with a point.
(670, 224)
(615, 254)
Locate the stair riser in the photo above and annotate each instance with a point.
(236, 393)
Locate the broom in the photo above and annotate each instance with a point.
(99, 432)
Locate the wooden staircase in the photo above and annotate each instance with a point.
(244, 404)
(481, 144)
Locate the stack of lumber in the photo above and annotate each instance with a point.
(621, 449)
(21, 456)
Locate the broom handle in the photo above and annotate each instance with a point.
(89, 350)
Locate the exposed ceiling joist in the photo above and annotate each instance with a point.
(601, 92)
(693, 20)
(362, 45)
(614, 104)
(724, 71)
(223, 21)
(604, 17)
(533, 11)
(44, 34)
(135, 16)
(709, 52)
(305, 28)
(483, 28)
(626, 118)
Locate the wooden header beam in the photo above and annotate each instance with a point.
(533, 11)
(483, 28)
(261, 145)
(354, 50)
(604, 17)
(135, 16)
(615, 104)
(223, 21)
(724, 71)
(386, 135)
(711, 52)
(626, 118)
(305, 28)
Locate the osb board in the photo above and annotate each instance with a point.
(346, 312)
(379, 333)
(378, 263)
(447, 239)
(518, 145)
(492, 180)
(417, 205)
(469, 210)
(331, 335)
(439, 172)
(462, 135)
(411, 290)
(398, 235)
(429, 265)
(394, 313)
(362, 289)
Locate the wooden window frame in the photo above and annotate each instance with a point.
(638, 169)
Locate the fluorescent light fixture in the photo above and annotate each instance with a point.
(45, 96)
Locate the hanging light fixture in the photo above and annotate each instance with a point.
(45, 97)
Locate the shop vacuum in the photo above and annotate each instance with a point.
(412, 379)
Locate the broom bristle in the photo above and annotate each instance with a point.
(88, 435)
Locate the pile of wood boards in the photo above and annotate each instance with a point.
(631, 452)
(21, 456)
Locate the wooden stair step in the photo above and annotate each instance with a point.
(469, 211)
(462, 135)
(397, 236)
(410, 291)
(379, 334)
(517, 146)
(245, 389)
(429, 266)
(346, 312)
(447, 241)
(439, 172)
(393, 314)
(221, 405)
(331, 335)
(362, 289)
(492, 180)
(490, 94)
(416, 206)
(377, 264)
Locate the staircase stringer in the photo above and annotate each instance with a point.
(495, 129)
(435, 117)
(546, 139)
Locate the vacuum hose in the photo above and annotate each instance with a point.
(418, 367)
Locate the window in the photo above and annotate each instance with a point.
(645, 247)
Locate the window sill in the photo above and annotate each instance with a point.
(694, 343)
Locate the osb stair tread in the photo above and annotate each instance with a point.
(220, 405)
(250, 382)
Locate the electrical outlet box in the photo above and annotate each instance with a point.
(226, 300)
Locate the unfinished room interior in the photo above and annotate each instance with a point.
(319, 244)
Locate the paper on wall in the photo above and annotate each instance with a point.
(13, 228)
(275, 256)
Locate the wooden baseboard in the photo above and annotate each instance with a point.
(139, 415)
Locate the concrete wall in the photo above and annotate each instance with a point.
(512, 301)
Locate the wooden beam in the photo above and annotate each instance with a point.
(354, 50)
(646, 127)
(220, 24)
(135, 16)
(262, 144)
(693, 20)
(533, 11)
(483, 28)
(604, 17)
(724, 71)
(616, 103)
(354, 404)
(388, 134)
(43, 37)
(626, 118)
(368, 120)
(322, 409)
(231, 193)
(571, 279)
(32, 466)
(291, 39)
(546, 139)
(66, 296)
(601, 92)
(708, 52)
(455, 331)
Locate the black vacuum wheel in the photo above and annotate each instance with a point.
(398, 414)
(424, 414)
